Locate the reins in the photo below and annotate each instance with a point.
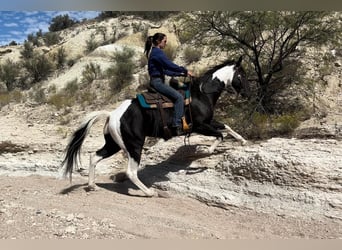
(187, 135)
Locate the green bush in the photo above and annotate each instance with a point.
(260, 126)
(12, 96)
(38, 67)
(27, 52)
(170, 52)
(122, 71)
(71, 87)
(5, 98)
(51, 38)
(184, 36)
(91, 72)
(38, 95)
(60, 57)
(61, 100)
(91, 44)
(286, 124)
(61, 22)
(9, 71)
(192, 54)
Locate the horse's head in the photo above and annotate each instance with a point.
(239, 81)
(230, 74)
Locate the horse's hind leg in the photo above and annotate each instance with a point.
(106, 151)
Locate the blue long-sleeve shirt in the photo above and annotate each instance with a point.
(160, 65)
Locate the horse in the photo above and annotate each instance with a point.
(127, 126)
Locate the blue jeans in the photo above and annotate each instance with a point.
(174, 95)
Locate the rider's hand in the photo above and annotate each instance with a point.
(190, 73)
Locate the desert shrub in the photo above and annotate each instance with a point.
(91, 72)
(27, 51)
(91, 44)
(122, 71)
(86, 98)
(285, 124)
(60, 57)
(38, 95)
(259, 126)
(61, 100)
(38, 67)
(184, 36)
(17, 95)
(170, 52)
(192, 54)
(66, 97)
(5, 98)
(12, 96)
(34, 40)
(51, 38)
(103, 32)
(9, 71)
(71, 87)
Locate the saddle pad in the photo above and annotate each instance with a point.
(150, 100)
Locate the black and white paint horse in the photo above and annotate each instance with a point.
(127, 126)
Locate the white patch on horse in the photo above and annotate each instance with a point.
(114, 123)
(224, 74)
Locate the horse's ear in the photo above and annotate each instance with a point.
(238, 63)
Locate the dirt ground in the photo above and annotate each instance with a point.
(37, 207)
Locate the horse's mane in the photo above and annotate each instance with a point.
(215, 68)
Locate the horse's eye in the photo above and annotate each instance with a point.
(239, 76)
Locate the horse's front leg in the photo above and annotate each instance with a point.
(235, 135)
(221, 126)
(208, 130)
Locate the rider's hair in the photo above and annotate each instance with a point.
(153, 41)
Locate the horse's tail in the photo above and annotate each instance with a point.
(72, 155)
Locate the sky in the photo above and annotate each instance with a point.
(17, 25)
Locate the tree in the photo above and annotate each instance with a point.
(271, 40)
(61, 22)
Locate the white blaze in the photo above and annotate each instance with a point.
(225, 74)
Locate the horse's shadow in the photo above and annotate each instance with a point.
(151, 174)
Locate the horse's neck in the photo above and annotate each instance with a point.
(214, 93)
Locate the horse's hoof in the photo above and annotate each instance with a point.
(243, 142)
(91, 188)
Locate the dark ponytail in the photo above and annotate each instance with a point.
(148, 45)
(153, 40)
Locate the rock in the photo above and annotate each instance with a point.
(70, 230)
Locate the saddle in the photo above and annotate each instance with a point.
(151, 99)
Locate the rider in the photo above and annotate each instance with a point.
(159, 66)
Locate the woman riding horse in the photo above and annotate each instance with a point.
(159, 66)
